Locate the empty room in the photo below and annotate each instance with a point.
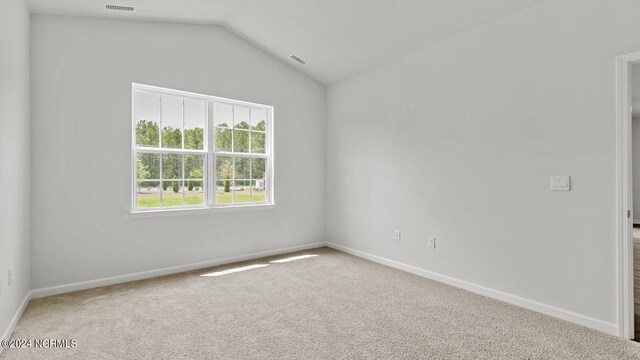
(319, 179)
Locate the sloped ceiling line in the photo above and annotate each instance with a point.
(337, 38)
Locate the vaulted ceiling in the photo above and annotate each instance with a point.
(337, 38)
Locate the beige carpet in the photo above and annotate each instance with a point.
(331, 306)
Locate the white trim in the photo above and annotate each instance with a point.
(624, 201)
(241, 154)
(553, 311)
(16, 318)
(580, 319)
(177, 211)
(61, 289)
(174, 92)
(208, 151)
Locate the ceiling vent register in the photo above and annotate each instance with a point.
(298, 59)
(119, 7)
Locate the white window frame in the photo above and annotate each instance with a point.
(209, 152)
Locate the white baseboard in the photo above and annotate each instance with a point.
(580, 319)
(60, 289)
(609, 328)
(16, 317)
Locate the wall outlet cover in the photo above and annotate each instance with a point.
(432, 242)
(560, 183)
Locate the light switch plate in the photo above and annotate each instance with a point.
(560, 183)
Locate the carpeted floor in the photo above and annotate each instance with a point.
(329, 306)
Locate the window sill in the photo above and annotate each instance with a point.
(141, 214)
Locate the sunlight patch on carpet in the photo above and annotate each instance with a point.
(235, 270)
(293, 258)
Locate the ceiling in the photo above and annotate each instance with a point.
(337, 38)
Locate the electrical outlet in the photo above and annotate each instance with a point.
(285, 225)
(9, 277)
(396, 235)
(432, 242)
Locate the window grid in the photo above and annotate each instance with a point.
(209, 154)
(233, 157)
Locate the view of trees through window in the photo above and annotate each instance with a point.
(238, 130)
(171, 152)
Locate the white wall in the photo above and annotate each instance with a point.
(635, 143)
(635, 140)
(458, 140)
(82, 71)
(635, 90)
(14, 156)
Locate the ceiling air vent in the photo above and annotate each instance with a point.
(119, 7)
(298, 59)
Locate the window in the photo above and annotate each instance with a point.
(198, 151)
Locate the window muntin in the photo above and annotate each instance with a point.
(179, 162)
